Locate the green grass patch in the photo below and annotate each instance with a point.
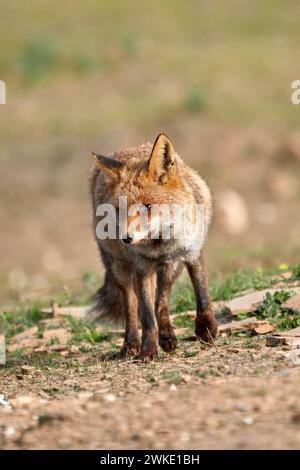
(183, 298)
(226, 288)
(20, 319)
(83, 331)
(223, 288)
(296, 271)
(272, 309)
(183, 321)
(50, 359)
(172, 377)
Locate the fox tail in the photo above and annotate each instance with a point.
(108, 304)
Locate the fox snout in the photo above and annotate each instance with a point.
(128, 238)
(136, 229)
(134, 238)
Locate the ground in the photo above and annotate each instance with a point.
(73, 390)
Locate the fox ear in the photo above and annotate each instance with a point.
(162, 158)
(110, 166)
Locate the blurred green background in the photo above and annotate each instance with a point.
(93, 75)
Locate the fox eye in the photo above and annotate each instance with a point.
(148, 206)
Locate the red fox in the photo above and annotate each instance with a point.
(140, 270)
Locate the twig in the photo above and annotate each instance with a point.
(212, 339)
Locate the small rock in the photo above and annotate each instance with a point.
(240, 407)
(76, 312)
(289, 339)
(185, 437)
(219, 409)
(27, 370)
(22, 401)
(110, 397)
(296, 418)
(263, 329)
(284, 372)
(60, 334)
(295, 361)
(64, 353)
(44, 395)
(248, 420)
(4, 402)
(242, 325)
(293, 303)
(186, 379)
(9, 432)
(248, 302)
(30, 333)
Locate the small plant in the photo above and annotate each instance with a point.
(224, 289)
(184, 321)
(183, 298)
(83, 331)
(191, 353)
(19, 320)
(172, 377)
(270, 306)
(296, 271)
(272, 309)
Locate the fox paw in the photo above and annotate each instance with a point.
(148, 355)
(206, 329)
(131, 348)
(168, 341)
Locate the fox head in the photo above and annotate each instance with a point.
(147, 180)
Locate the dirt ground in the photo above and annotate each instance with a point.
(238, 394)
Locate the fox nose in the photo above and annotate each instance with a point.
(127, 238)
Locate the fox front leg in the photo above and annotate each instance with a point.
(145, 294)
(205, 323)
(131, 345)
(166, 275)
